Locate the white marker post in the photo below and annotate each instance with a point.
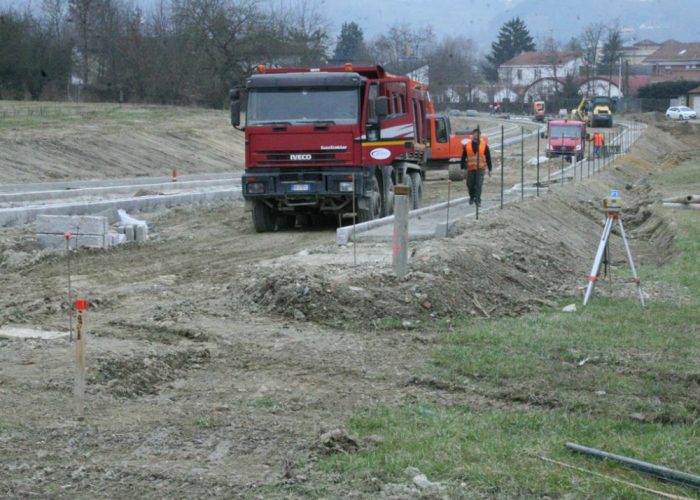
(400, 236)
(67, 237)
(80, 341)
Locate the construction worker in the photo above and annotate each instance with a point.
(598, 143)
(476, 158)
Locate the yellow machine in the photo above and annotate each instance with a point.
(580, 113)
(596, 113)
(602, 115)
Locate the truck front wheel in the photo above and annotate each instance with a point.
(455, 172)
(263, 217)
(417, 193)
(373, 209)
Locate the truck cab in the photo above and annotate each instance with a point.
(330, 141)
(566, 138)
(538, 108)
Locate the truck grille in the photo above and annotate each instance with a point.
(278, 158)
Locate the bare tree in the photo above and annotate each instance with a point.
(216, 34)
(612, 51)
(453, 67)
(553, 56)
(402, 48)
(55, 12)
(81, 12)
(590, 44)
(301, 33)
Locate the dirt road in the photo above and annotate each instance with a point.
(218, 358)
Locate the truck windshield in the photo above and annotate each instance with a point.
(568, 132)
(295, 106)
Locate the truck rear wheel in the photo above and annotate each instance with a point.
(455, 172)
(374, 204)
(263, 217)
(417, 192)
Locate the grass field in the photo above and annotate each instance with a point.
(15, 114)
(613, 376)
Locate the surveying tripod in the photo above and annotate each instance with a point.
(613, 208)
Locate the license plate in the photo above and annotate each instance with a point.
(300, 188)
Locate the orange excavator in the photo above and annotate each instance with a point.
(444, 146)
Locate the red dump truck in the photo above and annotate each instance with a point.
(311, 132)
(566, 138)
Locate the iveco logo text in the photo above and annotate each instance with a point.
(299, 157)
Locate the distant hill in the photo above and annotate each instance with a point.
(480, 20)
(657, 20)
(653, 19)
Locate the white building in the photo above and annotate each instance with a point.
(526, 68)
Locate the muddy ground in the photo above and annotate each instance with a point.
(218, 357)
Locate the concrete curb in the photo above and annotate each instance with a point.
(127, 189)
(59, 185)
(344, 234)
(442, 228)
(25, 215)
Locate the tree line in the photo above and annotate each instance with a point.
(181, 52)
(193, 51)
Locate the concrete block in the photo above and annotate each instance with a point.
(141, 232)
(114, 239)
(441, 230)
(130, 233)
(74, 224)
(57, 241)
(22, 215)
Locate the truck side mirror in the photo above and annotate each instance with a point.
(588, 137)
(381, 106)
(235, 96)
(543, 135)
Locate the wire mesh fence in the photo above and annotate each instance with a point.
(555, 106)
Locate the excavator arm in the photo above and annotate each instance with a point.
(580, 112)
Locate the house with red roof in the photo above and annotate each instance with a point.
(528, 67)
(675, 61)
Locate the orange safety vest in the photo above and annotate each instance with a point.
(475, 162)
(598, 140)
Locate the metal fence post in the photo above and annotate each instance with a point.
(502, 164)
(538, 163)
(522, 163)
(562, 170)
(447, 216)
(588, 159)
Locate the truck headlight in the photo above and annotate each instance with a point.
(578, 147)
(345, 187)
(255, 188)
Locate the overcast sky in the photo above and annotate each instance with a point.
(480, 19)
